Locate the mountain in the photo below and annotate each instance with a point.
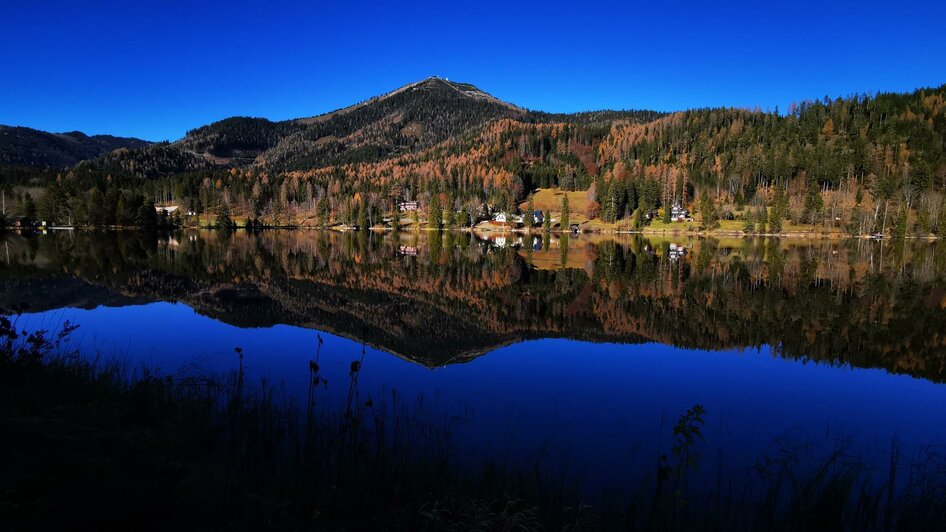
(238, 139)
(407, 120)
(413, 117)
(23, 146)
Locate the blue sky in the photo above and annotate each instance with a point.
(156, 69)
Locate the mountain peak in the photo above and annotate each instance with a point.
(429, 84)
(464, 89)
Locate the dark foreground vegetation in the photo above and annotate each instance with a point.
(91, 445)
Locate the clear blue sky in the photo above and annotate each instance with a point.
(154, 69)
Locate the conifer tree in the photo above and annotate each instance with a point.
(564, 222)
(435, 213)
(528, 218)
(899, 231)
(223, 220)
(322, 211)
(362, 216)
(708, 213)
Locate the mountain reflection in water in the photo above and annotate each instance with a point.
(437, 300)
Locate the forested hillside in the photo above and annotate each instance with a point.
(861, 164)
(22, 146)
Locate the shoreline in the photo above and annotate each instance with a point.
(806, 235)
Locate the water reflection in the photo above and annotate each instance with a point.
(441, 299)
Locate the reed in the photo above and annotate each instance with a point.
(94, 444)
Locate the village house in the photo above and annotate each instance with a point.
(166, 210)
(406, 206)
(678, 213)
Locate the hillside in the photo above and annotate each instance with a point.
(239, 139)
(404, 121)
(23, 146)
(412, 117)
(860, 164)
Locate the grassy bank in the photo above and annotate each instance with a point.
(92, 445)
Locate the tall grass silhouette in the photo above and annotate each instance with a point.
(91, 444)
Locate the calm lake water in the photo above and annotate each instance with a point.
(577, 353)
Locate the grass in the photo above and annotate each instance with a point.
(91, 445)
(550, 199)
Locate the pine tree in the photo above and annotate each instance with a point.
(708, 213)
(450, 214)
(121, 210)
(52, 207)
(223, 220)
(899, 231)
(322, 211)
(146, 215)
(546, 222)
(95, 207)
(778, 210)
(435, 213)
(748, 225)
(29, 207)
(614, 198)
(362, 216)
(814, 203)
(528, 218)
(564, 222)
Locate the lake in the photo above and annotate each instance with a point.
(577, 354)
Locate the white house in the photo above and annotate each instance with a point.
(678, 213)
